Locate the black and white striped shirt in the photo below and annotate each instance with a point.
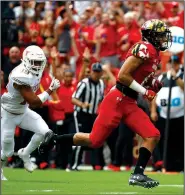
(91, 92)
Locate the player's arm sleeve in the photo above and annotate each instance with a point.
(79, 91)
(140, 50)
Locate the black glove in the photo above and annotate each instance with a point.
(48, 142)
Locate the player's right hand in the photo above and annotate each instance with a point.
(55, 84)
(149, 95)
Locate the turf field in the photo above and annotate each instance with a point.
(49, 182)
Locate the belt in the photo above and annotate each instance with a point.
(69, 114)
(126, 90)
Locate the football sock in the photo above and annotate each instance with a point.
(7, 149)
(3, 159)
(144, 156)
(66, 139)
(3, 156)
(33, 144)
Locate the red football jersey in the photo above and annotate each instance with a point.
(150, 55)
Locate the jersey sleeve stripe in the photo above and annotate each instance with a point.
(136, 49)
(19, 82)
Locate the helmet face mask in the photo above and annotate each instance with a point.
(37, 66)
(157, 33)
(34, 60)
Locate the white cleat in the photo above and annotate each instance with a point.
(28, 165)
(3, 178)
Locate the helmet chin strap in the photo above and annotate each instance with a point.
(145, 39)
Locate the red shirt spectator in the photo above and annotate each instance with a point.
(3, 87)
(175, 17)
(128, 35)
(45, 82)
(66, 90)
(84, 35)
(34, 35)
(56, 110)
(107, 35)
(170, 12)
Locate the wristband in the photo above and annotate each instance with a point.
(51, 89)
(137, 87)
(43, 96)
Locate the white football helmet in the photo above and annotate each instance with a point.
(34, 60)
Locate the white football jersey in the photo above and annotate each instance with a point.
(12, 101)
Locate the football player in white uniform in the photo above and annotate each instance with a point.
(23, 82)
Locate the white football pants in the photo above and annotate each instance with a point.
(30, 120)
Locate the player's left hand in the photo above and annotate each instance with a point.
(156, 85)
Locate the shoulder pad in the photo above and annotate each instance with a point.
(141, 50)
(20, 77)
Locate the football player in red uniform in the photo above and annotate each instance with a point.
(135, 76)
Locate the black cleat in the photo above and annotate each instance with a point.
(142, 180)
(48, 142)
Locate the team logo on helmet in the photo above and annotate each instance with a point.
(157, 33)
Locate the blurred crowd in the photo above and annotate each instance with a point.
(73, 36)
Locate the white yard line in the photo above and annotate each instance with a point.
(42, 190)
(124, 193)
(129, 193)
(139, 193)
(172, 185)
(118, 193)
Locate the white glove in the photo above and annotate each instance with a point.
(55, 84)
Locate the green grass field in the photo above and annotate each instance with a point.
(85, 182)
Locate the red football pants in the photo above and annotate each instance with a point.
(114, 108)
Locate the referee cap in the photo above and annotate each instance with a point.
(97, 67)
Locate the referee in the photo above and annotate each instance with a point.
(86, 98)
